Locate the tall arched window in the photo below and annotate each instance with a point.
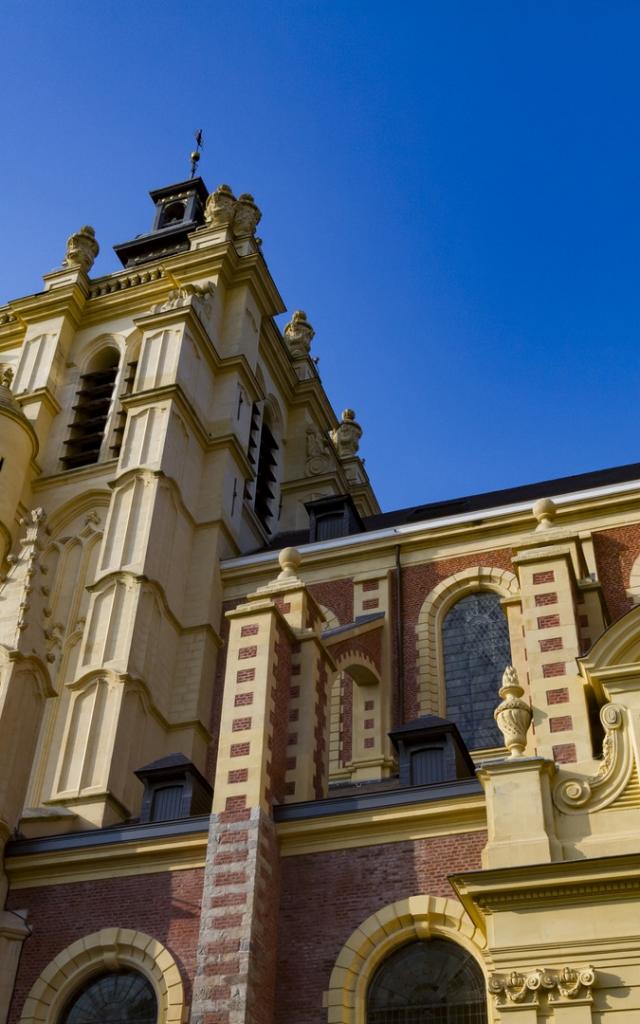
(428, 982)
(116, 997)
(91, 408)
(475, 645)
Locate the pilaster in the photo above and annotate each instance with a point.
(550, 587)
(272, 744)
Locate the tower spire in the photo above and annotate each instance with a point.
(195, 155)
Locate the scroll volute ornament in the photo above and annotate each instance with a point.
(513, 715)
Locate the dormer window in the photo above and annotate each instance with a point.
(91, 408)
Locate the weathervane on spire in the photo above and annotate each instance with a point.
(195, 156)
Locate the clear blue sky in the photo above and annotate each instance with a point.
(451, 190)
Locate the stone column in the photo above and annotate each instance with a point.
(272, 744)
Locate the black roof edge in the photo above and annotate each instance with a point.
(478, 502)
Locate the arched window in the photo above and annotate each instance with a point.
(475, 645)
(428, 982)
(116, 997)
(91, 407)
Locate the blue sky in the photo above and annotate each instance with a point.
(451, 190)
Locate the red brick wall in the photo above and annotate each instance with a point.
(325, 896)
(336, 595)
(417, 583)
(165, 906)
(616, 550)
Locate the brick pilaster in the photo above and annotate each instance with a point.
(272, 747)
(551, 593)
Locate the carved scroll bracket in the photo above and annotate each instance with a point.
(575, 794)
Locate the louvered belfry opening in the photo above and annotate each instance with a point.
(118, 431)
(252, 449)
(91, 408)
(266, 480)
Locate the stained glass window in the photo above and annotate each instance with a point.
(119, 997)
(475, 644)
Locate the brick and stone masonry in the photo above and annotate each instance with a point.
(236, 958)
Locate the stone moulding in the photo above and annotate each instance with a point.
(564, 985)
(576, 794)
(110, 948)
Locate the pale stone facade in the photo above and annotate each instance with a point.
(160, 440)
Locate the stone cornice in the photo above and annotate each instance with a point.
(540, 886)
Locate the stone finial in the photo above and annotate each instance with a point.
(219, 209)
(544, 511)
(82, 249)
(346, 437)
(6, 377)
(290, 561)
(246, 216)
(298, 335)
(513, 715)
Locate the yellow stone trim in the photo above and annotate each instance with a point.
(418, 917)
(108, 948)
(113, 860)
(383, 825)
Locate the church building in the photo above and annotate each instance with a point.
(269, 755)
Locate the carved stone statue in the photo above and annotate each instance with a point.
(246, 216)
(6, 377)
(347, 436)
(219, 208)
(298, 335)
(82, 249)
(513, 715)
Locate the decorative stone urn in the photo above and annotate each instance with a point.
(82, 249)
(347, 436)
(219, 208)
(246, 216)
(513, 715)
(298, 335)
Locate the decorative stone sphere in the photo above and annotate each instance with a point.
(544, 511)
(290, 560)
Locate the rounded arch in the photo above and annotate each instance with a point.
(417, 917)
(107, 949)
(431, 695)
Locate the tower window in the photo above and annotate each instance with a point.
(173, 213)
(119, 997)
(431, 981)
(92, 405)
